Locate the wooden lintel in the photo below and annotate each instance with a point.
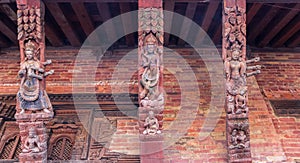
(63, 23)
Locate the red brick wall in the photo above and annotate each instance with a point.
(272, 138)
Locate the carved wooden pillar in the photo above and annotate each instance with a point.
(33, 105)
(151, 99)
(234, 56)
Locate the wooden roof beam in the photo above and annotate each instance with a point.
(8, 33)
(287, 32)
(199, 1)
(209, 15)
(294, 42)
(217, 36)
(127, 24)
(169, 6)
(254, 32)
(105, 14)
(85, 21)
(185, 27)
(276, 29)
(252, 12)
(63, 23)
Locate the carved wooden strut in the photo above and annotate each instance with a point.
(235, 63)
(33, 105)
(151, 98)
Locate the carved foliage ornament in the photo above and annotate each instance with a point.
(29, 23)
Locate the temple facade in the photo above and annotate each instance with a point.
(150, 81)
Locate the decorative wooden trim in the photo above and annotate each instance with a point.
(150, 71)
(235, 67)
(33, 107)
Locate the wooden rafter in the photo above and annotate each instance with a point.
(203, 1)
(279, 26)
(287, 32)
(105, 14)
(210, 13)
(252, 12)
(127, 24)
(254, 32)
(85, 21)
(8, 33)
(169, 6)
(217, 36)
(63, 23)
(185, 27)
(52, 36)
(294, 42)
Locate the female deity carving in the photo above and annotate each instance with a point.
(30, 95)
(150, 63)
(235, 69)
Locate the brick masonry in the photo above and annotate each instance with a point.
(273, 138)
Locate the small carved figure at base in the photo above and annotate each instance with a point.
(32, 143)
(238, 139)
(151, 125)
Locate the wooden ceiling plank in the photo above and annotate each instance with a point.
(8, 33)
(169, 6)
(203, 1)
(254, 32)
(63, 23)
(295, 42)
(218, 35)
(85, 21)
(284, 21)
(186, 24)
(288, 32)
(3, 43)
(127, 24)
(208, 17)
(5, 8)
(105, 14)
(252, 12)
(51, 35)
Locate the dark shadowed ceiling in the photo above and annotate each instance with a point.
(273, 23)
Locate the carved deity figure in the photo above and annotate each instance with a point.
(238, 139)
(30, 95)
(32, 142)
(151, 125)
(151, 74)
(241, 100)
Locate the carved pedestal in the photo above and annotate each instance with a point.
(235, 67)
(34, 142)
(33, 107)
(151, 97)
